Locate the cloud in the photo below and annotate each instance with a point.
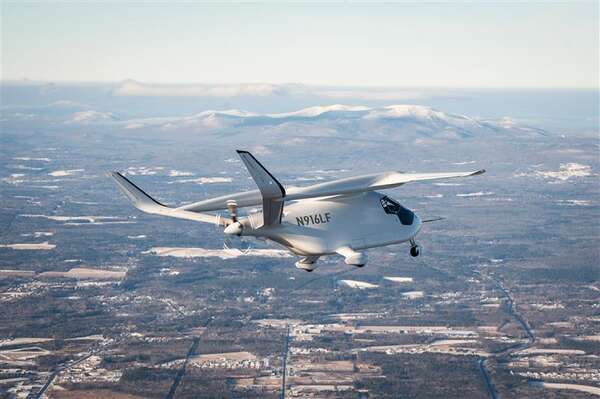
(133, 88)
(371, 94)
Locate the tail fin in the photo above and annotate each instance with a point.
(271, 190)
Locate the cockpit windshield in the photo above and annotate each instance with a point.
(392, 207)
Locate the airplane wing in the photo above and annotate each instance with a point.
(145, 203)
(378, 181)
(275, 194)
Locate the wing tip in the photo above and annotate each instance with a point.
(478, 172)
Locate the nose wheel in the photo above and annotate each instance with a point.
(415, 249)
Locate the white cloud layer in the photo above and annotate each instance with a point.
(133, 88)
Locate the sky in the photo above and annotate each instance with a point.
(459, 44)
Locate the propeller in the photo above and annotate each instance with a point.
(233, 232)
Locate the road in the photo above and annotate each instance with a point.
(181, 371)
(487, 378)
(284, 361)
(511, 310)
(52, 377)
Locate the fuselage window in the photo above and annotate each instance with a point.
(392, 207)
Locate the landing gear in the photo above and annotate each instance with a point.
(415, 249)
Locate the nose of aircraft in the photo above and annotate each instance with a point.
(409, 218)
(417, 223)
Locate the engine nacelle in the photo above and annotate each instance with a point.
(358, 259)
(234, 229)
(306, 264)
(351, 257)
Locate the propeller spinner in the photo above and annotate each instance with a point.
(233, 232)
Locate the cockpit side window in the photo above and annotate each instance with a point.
(392, 207)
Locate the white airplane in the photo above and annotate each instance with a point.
(342, 217)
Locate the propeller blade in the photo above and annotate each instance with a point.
(236, 243)
(232, 207)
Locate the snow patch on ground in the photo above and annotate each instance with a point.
(82, 220)
(38, 234)
(400, 279)
(143, 170)
(83, 202)
(99, 223)
(547, 306)
(566, 172)
(47, 187)
(179, 252)
(575, 387)
(204, 180)
(413, 294)
(14, 179)
(32, 159)
(61, 173)
(179, 173)
(84, 273)
(90, 116)
(477, 194)
(361, 285)
(448, 184)
(575, 202)
(39, 246)
(24, 167)
(547, 351)
(463, 163)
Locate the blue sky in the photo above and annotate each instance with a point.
(475, 44)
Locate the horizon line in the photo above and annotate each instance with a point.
(28, 81)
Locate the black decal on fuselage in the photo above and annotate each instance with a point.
(318, 218)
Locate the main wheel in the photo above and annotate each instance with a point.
(415, 250)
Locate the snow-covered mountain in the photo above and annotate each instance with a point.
(390, 121)
(402, 122)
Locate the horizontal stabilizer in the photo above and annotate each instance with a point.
(145, 203)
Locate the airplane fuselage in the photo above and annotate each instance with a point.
(321, 226)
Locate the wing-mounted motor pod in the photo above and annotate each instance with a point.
(351, 257)
(308, 263)
(271, 190)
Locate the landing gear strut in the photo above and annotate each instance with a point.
(415, 249)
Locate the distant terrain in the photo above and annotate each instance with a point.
(102, 301)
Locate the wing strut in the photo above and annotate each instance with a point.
(271, 190)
